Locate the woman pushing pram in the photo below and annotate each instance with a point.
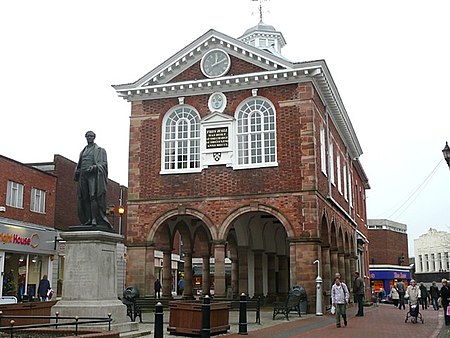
(413, 295)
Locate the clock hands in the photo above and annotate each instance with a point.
(218, 62)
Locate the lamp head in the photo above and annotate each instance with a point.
(121, 210)
(446, 152)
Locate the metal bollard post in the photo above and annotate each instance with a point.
(159, 320)
(243, 314)
(206, 316)
(12, 322)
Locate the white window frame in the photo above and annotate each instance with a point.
(323, 155)
(37, 200)
(256, 134)
(180, 144)
(14, 195)
(338, 173)
(345, 182)
(350, 189)
(331, 161)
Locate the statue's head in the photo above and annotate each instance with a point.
(89, 132)
(90, 137)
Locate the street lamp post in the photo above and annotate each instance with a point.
(446, 152)
(121, 211)
(318, 290)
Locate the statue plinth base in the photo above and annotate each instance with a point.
(90, 227)
(90, 276)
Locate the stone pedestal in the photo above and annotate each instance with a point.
(90, 276)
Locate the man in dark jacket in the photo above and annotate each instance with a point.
(423, 296)
(434, 295)
(44, 286)
(401, 292)
(358, 291)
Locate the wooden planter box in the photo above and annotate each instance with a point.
(186, 318)
(26, 309)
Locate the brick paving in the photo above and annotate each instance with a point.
(384, 321)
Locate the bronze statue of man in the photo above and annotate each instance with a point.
(91, 174)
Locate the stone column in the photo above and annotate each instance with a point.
(271, 277)
(206, 281)
(258, 272)
(243, 269)
(341, 263)
(348, 275)
(302, 253)
(326, 274)
(334, 263)
(150, 270)
(137, 266)
(235, 276)
(283, 275)
(353, 267)
(167, 274)
(188, 290)
(219, 270)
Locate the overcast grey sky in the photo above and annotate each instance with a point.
(389, 60)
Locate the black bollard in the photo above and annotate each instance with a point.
(206, 316)
(159, 320)
(243, 314)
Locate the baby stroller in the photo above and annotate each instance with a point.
(413, 314)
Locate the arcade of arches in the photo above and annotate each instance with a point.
(267, 256)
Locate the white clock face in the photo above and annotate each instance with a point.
(215, 63)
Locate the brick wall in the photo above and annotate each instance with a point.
(386, 246)
(11, 170)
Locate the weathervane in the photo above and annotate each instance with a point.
(260, 9)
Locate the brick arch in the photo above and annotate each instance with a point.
(177, 212)
(226, 225)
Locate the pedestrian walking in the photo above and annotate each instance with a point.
(423, 296)
(444, 296)
(340, 297)
(358, 291)
(43, 288)
(157, 288)
(394, 294)
(434, 295)
(401, 292)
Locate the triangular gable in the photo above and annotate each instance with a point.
(216, 117)
(192, 54)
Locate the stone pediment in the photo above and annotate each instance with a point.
(216, 117)
(183, 67)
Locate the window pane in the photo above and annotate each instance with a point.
(256, 136)
(183, 127)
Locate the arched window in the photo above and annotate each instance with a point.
(256, 133)
(181, 140)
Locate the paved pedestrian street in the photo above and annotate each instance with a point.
(383, 321)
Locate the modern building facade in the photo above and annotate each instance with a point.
(389, 259)
(249, 157)
(431, 251)
(27, 247)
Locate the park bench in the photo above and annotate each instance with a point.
(292, 303)
(252, 304)
(147, 304)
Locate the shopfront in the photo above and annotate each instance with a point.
(26, 255)
(384, 278)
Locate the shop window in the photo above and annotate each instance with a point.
(181, 140)
(256, 133)
(37, 200)
(14, 195)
